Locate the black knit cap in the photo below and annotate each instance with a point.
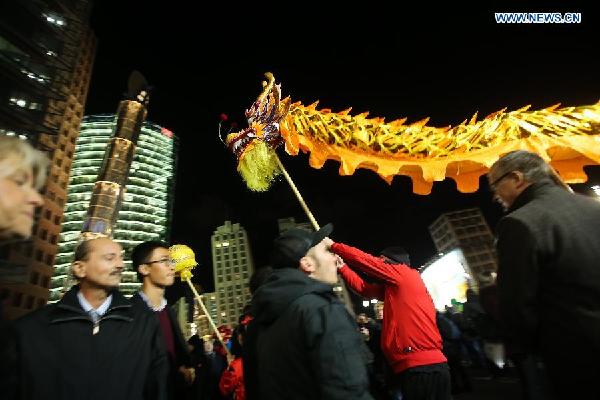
(396, 254)
(294, 243)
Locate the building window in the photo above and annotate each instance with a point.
(29, 304)
(49, 259)
(44, 234)
(45, 282)
(57, 220)
(48, 214)
(39, 255)
(35, 276)
(41, 303)
(17, 298)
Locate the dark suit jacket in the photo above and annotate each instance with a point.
(549, 273)
(182, 355)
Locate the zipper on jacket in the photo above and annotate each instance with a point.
(96, 327)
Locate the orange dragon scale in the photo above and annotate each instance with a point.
(568, 138)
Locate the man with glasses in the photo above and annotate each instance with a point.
(548, 275)
(155, 270)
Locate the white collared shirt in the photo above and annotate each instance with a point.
(163, 302)
(87, 307)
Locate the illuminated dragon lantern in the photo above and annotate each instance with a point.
(568, 138)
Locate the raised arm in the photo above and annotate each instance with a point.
(370, 265)
(358, 284)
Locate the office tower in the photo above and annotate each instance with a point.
(146, 212)
(467, 230)
(285, 224)
(232, 267)
(46, 55)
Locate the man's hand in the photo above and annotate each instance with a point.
(189, 374)
(328, 242)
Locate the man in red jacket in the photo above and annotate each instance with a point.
(410, 338)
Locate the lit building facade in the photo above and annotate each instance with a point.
(146, 212)
(202, 326)
(285, 224)
(468, 230)
(46, 55)
(232, 267)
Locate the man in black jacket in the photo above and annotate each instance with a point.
(91, 344)
(302, 343)
(549, 272)
(153, 264)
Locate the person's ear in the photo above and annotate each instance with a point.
(307, 265)
(143, 269)
(519, 179)
(78, 269)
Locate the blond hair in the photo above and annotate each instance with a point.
(25, 157)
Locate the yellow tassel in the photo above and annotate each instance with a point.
(258, 166)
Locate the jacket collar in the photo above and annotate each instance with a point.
(68, 308)
(531, 192)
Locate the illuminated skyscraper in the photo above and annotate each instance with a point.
(47, 52)
(232, 267)
(285, 224)
(146, 212)
(468, 230)
(202, 325)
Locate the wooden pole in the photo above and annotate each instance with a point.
(311, 218)
(210, 320)
(315, 225)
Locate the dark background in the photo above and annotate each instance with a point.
(424, 60)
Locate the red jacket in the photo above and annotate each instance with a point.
(232, 381)
(409, 336)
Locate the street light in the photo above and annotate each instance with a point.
(596, 189)
(365, 303)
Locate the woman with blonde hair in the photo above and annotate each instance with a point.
(22, 174)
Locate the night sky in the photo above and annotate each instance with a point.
(423, 61)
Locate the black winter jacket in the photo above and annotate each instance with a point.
(177, 387)
(61, 358)
(302, 343)
(549, 273)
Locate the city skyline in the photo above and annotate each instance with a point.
(446, 62)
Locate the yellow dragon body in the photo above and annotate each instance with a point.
(568, 138)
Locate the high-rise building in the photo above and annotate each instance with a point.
(202, 326)
(285, 224)
(46, 55)
(232, 267)
(467, 230)
(146, 212)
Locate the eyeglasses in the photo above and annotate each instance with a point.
(495, 182)
(163, 261)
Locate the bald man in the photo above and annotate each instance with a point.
(92, 344)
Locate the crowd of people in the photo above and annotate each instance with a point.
(297, 339)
